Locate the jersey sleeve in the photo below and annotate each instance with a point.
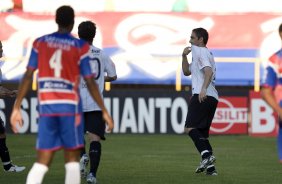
(33, 59)
(110, 67)
(85, 67)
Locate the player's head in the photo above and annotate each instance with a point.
(280, 31)
(1, 49)
(87, 31)
(65, 17)
(199, 37)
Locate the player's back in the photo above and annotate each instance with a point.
(59, 58)
(100, 63)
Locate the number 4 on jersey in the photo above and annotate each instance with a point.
(55, 62)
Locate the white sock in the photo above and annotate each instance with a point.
(72, 173)
(36, 174)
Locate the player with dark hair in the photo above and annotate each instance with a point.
(61, 60)
(202, 105)
(94, 123)
(272, 89)
(4, 152)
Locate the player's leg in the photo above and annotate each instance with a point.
(193, 121)
(95, 126)
(40, 167)
(4, 152)
(72, 166)
(197, 119)
(205, 132)
(48, 141)
(210, 170)
(71, 134)
(95, 150)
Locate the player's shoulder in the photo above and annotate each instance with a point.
(195, 51)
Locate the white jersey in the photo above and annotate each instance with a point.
(100, 64)
(202, 57)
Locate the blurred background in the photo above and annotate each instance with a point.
(145, 39)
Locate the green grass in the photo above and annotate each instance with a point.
(162, 159)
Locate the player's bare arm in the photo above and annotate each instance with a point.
(94, 91)
(207, 80)
(267, 95)
(185, 64)
(16, 117)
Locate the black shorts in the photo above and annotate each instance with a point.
(2, 128)
(200, 115)
(94, 123)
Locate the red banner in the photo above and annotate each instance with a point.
(231, 116)
(263, 118)
(246, 30)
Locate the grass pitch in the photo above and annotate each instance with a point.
(162, 159)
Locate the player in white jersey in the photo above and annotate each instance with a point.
(101, 64)
(202, 105)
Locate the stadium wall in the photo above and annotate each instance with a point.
(151, 111)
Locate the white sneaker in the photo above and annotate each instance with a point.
(84, 160)
(16, 168)
(204, 164)
(91, 179)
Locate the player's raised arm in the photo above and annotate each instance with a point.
(185, 64)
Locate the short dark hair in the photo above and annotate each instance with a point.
(201, 32)
(65, 16)
(87, 30)
(280, 28)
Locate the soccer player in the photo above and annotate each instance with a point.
(203, 103)
(94, 123)
(60, 59)
(4, 152)
(272, 89)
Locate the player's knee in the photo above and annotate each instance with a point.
(94, 137)
(187, 130)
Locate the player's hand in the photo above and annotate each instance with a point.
(202, 95)
(186, 51)
(109, 121)
(16, 120)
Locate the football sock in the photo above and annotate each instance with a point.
(199, 142)
(4, 154)
(95, 155)
(72, 173)
(210, 168)
(209, 147)
(36, 174)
